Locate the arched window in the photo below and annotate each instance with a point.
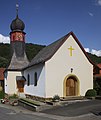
(28, 79)
(35, 79)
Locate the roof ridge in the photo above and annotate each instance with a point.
(47, 52)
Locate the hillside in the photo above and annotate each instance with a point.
(94, 58)
(31, 51)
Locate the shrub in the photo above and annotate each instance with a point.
(2, 94)
(14, 96)
(56, 98)
(97, 87)
(91, 93)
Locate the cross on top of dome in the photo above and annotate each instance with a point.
(17, 24)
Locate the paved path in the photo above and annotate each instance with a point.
(18, 113)
(76, 109)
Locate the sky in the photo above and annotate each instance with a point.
(48, 20)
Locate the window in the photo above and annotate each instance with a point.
(28, 80)
(35, 79)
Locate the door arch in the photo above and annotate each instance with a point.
(71, 86)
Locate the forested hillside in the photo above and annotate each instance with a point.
(31, 51)
(94, 58)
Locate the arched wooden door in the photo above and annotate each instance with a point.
(71, 86)
(20, 86)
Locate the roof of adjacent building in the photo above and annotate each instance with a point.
(98, 75)
(47, 52)
(99, 65)
(2, 73)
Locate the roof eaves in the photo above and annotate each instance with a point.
(32, 65)
(61, 41)
(64, 38)
(13, 70)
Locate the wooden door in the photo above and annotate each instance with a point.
(20, 86)
(71, 87)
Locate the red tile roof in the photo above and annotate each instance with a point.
(99, 65)
(98, 75)
(1, 73)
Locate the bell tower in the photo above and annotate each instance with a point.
(17, 42)
(17, 26)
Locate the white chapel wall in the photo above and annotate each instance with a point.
(38, 90)
(10, 82)
(59, 66)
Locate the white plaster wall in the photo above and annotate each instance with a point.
(38, 90)
(10, 82)
(59, 66)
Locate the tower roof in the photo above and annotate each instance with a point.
(17, 64)
(17, 24)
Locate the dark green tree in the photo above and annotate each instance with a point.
(31, 51)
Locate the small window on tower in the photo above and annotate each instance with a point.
(35, 79)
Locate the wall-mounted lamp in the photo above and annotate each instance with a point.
(71, 70)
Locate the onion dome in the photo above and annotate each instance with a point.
(17, 24)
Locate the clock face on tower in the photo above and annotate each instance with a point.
(17, 36)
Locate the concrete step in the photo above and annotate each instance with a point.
(34, 107)
(22, 95)
(73, 98)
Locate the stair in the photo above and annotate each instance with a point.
(73, 98)
(22, 95)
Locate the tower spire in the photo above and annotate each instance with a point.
(17, 7)
(17, 41)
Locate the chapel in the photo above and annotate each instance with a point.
(62, 68)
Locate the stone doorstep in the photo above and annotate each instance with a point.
(73, 98)
(48, 105)
(34, 107)
(27, 105)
